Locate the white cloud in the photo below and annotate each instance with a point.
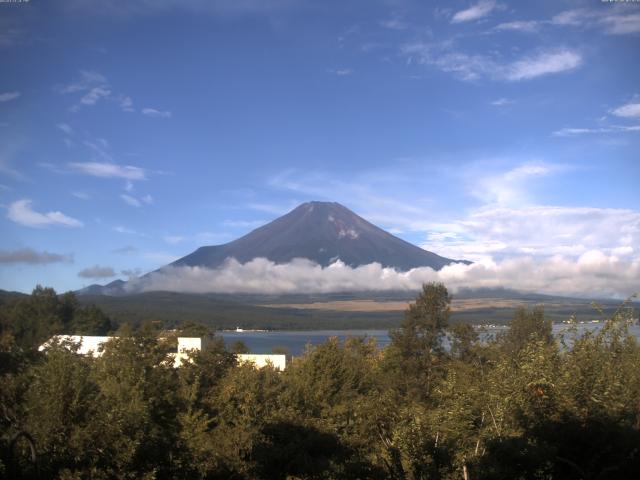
(543, 64)
(81, 195)
(510, 187)
(134, 202)
(126, 250)
(476, 67)
(394, 24)
(109, 170)
(31, 257)
(540, 231)
(97, 272)
(572, 132)
(152, 112)
(88, 80)
(22, 213)
(8, 96)
(502, 102)
(629, 110)
(126, 104)
(8, 150)
(174, 239)
(94, 95)
(618, 22)
(94, 88)
(66, 128)
(526, 26)
(121, 229)
(342, 72)
(622, 24)
(137, 202)
(592, 274)
(475, 12)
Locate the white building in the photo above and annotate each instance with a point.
(94, 346)
(277, 361)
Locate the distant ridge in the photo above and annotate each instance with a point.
(323, 232)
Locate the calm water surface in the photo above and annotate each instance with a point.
(296, 341)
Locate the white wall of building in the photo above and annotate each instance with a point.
(92, 345)
(279, 362)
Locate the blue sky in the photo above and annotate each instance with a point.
(134, 132)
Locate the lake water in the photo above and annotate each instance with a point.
(296, 341)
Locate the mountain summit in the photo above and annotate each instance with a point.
(322, 232)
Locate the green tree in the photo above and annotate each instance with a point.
(136, 406)
(59, 407)
(527, 326)
(90, 320)
(416, 353)
(36, 318)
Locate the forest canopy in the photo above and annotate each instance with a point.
(521, 405)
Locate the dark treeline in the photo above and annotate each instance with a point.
(524, 405)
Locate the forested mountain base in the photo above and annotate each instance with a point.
(525, 405)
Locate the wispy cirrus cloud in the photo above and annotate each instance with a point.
(475, 12)
(341, 72)
(8, 96)
(126, 250)
(544, 63)
(395, 23)
(477, 66)
(174, 239)
(9, 149)
(525, 26)
(128, 231)
(93, 87)
(616, 21)
(502, 102)
(129, 200)
(507, 187)
(109, 170)
(29, 256)
(152, 112)
(22, 213)
(135, 201)
(574, 132)
(66, 128)
(630, 110)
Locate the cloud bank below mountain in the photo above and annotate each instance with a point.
(593, 274)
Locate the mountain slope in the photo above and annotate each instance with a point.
(323, 232)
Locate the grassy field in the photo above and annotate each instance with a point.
(362, 310)
(461, 305)
(229, 311)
